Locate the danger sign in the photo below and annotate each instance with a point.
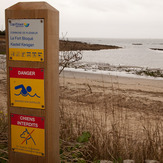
(28, 134)
(27, 87)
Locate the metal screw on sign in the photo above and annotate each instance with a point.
(9, 21)
(10, 57)
(12, 103)
(41, 21)
(42, 106)
(42, 70)
(12, 115)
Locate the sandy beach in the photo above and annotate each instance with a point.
(148, 92)
(138, 88)
(143, 84)
(137, 99)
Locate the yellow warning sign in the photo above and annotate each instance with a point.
(27, 87)
(26, 54)
(27, 134)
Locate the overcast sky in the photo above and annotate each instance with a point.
(105, 18)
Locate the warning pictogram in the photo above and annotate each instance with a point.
(25, 91)
(28, 134)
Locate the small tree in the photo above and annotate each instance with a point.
(68, 57)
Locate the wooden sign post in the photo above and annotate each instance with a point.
(32, 40)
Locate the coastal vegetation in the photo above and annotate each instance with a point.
(149, 72)
(121, 125)
(3, 136)
(102, 121)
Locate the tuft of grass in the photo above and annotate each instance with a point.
(74, 151)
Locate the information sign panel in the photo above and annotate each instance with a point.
(26, 39)
(27, 87)
(27, 134)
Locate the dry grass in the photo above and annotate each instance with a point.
(121, 126)
(3, 138)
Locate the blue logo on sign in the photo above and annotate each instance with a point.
(25, 91)
(20, 24)
(26, 24)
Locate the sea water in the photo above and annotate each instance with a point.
(133, 56)
(134, 52)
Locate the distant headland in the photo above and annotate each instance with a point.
(76, 45)
(66, 45)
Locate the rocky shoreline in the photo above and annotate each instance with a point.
(156, 49)
(135, 70)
